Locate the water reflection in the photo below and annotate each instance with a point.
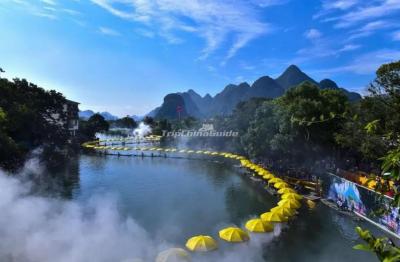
(60, 181)
(174, 199)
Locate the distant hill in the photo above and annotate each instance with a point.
(329, 84)
(224, 102)
(173, 106)
(136, 118)
(86, 114)
(153, 112)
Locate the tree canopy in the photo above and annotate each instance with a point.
(30, 117)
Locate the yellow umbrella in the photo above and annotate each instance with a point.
(311, 204)
(273, 217)
(173, 255)
(233, 234)
(286, 190)
(280, 185)
(201, 243)
(275, 180)
(268, 176)
(292, 196)
(259, 226)
(287, 212)
(289, 203)
(260, 173)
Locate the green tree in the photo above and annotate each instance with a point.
(30, 117)
(126, 122)
(300, 124)
(386, 91)
(88, 129)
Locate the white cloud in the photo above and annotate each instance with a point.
(214, 21)
(328, 6)
(367, 63)
(322, 47)
(313, 34)
(382, 9)
(45, 8)
(371, 28)
(396, 36)
(49, 2)
(71, 11)
(349, 47)
(108, 31)
(341, 4)
(266, 3)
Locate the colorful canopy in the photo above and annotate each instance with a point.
(286, 190)
(259, 226)
(234, 234)
(201, 243)
(273, 217)
(173, 255)
(289, 203)
(280, 185)
(311, 204)
(268, 176)
(275, 180)
(292, 196)
(286, 212)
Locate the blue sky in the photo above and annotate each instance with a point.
(123, 56)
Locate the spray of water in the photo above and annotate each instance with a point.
(142, 130)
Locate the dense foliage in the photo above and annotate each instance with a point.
(294, 127)
(29, 117)
(125, 122)
(88, 129)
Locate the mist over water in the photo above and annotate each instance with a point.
(41, 229)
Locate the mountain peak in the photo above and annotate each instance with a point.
(244, 84)
(192, 92)
(328, 84)
(293, 76)
(265, 86)
(293, 68)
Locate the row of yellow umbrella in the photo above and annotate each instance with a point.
(285, 209)
(230, 234)
(188, 151)
(127, 139)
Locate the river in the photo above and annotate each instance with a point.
(174, 199)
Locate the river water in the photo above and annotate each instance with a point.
(174, 199)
